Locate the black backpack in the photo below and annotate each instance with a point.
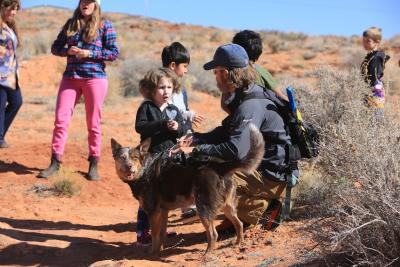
(303, 135)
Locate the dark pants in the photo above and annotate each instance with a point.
(10, 102)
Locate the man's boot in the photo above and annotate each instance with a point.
(93, 173)
(52, 169)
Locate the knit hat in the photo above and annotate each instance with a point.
(97, 1)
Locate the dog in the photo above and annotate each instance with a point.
(162, 184)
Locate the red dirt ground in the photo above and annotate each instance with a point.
(96, 227)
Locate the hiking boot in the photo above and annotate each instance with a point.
(271, 218)
(93, 173)
(3, 144)
(143, 238)
(189, 213)
(52, 169)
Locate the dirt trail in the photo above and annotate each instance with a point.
(97, 225)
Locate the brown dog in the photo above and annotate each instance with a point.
(163, 184)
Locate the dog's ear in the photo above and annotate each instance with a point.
(145, 145)
(115, 146)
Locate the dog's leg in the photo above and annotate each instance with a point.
(155, 225)
(163, 230)
(231, 214)
(211, 232)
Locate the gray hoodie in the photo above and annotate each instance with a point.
(231, 140)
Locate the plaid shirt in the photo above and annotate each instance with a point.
(103, 48)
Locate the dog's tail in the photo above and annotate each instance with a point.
(255, 153)
(251, 161)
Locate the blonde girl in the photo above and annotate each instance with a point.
(87, 41)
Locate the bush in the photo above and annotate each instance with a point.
(359, 161)
(39, 44)
(133, 70)
(65, 187)
(202, 80)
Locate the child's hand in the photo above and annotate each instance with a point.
(3, 51)
(83, 53)
(197, 120)
(78, 52)
(172, 125)
(73, 51)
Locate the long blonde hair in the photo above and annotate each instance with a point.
(12, 24)
(76, 23)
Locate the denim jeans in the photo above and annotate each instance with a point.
(10, 103)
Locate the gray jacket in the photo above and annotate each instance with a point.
(231, 140)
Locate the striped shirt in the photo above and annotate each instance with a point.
(103, 48)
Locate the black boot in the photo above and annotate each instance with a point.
(52, 169)
(93, 174)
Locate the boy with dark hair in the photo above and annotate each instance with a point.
(252, 42)
(176, 53)
(177, 58)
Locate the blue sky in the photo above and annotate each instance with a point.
(339, 17)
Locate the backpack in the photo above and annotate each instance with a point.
(303, 135)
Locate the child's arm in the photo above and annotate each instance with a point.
(375, 69)
(146, 126)
(58, 47)
(110, 49)
(179, 119)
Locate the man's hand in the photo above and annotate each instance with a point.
(185, 141)
(197, 120)
(187, 150)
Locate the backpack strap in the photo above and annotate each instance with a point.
(292, 151)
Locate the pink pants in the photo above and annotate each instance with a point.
(94, 92)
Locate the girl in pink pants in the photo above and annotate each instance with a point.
(94, 92)
(87, 41)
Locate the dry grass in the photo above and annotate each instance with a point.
(358, 181)
(66, 183)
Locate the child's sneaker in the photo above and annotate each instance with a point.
(143, 238)
(191, 212)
